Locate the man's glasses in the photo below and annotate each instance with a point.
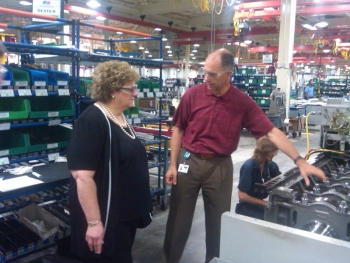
(129, 89)
(212, 74)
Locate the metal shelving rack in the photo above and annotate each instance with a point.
(75, 57)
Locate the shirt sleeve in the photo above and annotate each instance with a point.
(87, 142)
(245, 177)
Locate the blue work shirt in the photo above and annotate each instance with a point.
(310, 91)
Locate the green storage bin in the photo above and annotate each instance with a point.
(250, 81)
(266, 81)
(134, 112)
(253, 91)
(144, 86)
(85, 85)
(155, 86)
(51, 107)
(47, 138)
(127, 113)
(14, 108)
(20, 77)
(263, 101)
(262, 91)
(13, 142)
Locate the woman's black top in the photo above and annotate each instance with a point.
(89, 149)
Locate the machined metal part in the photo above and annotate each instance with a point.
(321, 207)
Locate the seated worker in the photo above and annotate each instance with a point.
(258, 169)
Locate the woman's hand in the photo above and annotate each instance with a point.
(94, 237)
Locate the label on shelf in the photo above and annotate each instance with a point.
(54, 122)
(53, 114)
(150, 94)
(7, 93)
(5, 126)
(21, 83)
(159, 94)
(262, 102)
(63, 92)
(145, 90)
(24, 92)
(263, 91)
(261, 85)
(41, 92)
(156, 90)
(52, 145)
(6, 83)
(4, 115)
(62, 83)
(53, 156)
(39, 83)
(137, 120)
(140, 95)
(4, 160)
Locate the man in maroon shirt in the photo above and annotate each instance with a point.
(208, 122)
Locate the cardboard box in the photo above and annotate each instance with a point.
(293, 122)
(39, 220)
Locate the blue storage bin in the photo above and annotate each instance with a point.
(7, 79)
(37, 77)
(56, 78)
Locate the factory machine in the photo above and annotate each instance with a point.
(321, 207)
(277, 110)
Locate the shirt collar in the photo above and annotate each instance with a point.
(229, 93)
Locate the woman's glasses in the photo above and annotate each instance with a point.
(129, 89)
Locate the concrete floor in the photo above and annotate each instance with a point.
(148, 244)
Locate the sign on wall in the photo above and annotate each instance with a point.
(267, 58)
(47, 7)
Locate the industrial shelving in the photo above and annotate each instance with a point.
(75, 57)
(335, 86)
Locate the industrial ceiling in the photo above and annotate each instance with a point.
(190, 21)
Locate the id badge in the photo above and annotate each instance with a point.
(183, 168)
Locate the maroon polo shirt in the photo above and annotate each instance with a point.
(213, 124)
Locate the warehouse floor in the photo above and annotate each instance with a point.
(148, 244)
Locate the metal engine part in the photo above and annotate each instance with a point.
(321, 207)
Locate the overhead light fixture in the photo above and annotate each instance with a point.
(170, 55)
(167, 45)
(100, 18)
(133, 41)
(158, 29)
(312, 61)
(310, 27)
(87, 35)
(169, 51)
(25, 3)
(164, 38)
(141, 47)
(146, 51)
(194, 50)
(93, 4)
(150, 55)
(131, 56)
(326, 50)
(66, 11)
(196, 45)
(193, 58)
(269, 9)
(229, 44)
(248, 41)
(120, 33)
(58, 37)
(191, 54)
(321, 24)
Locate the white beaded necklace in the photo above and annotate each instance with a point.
(115, 120)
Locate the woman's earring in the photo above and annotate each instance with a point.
(112, 96)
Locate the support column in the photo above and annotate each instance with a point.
(285, 50)
(187, 64)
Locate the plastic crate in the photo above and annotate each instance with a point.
(262, 91)
(253, 91)
(250, 81)
(56, 78)
(263, 101)
(47, 138)
(20, 77)
(144, 86)
(84, 85)
(14, 108)
(51, 107)
(13, 142)
(7, 79)
(155, 86)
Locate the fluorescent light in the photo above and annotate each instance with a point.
(157, 29)
(66, 11)
(167, 45)
(131, 56)
(150, 55)
(93, 4)
(269, 9)
(322, 24)
(312, 61)
(169, 51)
(248, 41)
(120, 33)
(326, 50)
(146, 51)
(191, 54)
(133, 41)
(170, 55)
(58, 37)
(164, 38)
(87, 35)
(25, 3)
(194, 50)
(100, 18)
(307, 26)
(141, 47)
(196, 45)
(2, 30)
(229, 44)
(193, 58)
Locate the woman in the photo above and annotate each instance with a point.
(109, 189)
(258, 169)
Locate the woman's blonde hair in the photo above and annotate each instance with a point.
(263, 147)
(110, 76)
